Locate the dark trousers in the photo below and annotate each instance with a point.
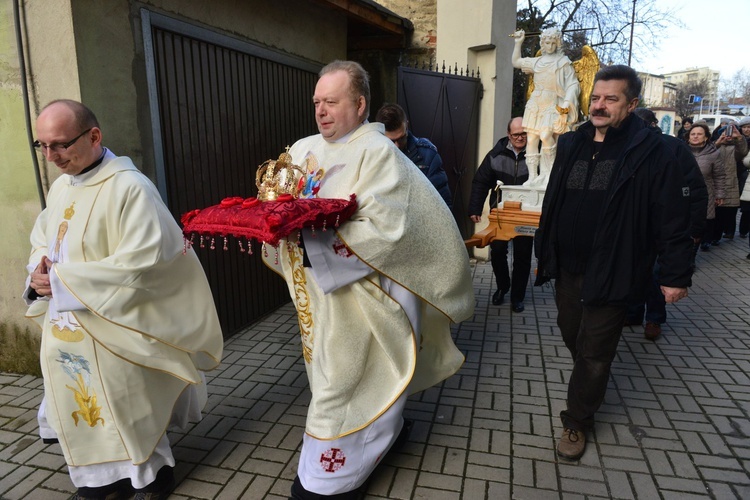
(655, 307)
(591, 334)
(726, 222)
(522, 248)
(745, 217)
(708, 233)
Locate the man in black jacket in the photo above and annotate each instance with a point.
(506, 162)
(614, 203)
(655, 308)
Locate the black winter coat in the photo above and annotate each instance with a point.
(644, 216)
(500, 164)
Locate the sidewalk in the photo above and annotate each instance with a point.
(675, 423)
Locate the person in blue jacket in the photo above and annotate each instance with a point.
(420, 151)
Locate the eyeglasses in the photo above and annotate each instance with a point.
(521, 135)
(58, 147)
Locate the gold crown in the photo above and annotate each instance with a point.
(277, 177)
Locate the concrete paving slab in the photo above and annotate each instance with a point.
(675, 422)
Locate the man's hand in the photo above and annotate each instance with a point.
(672, 295)
(476, 218)
(40, 278)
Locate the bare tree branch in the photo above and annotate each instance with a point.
(611, 20)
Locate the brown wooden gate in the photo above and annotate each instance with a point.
(222, 108)
(445, 109)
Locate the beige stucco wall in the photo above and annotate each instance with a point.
(466, 33)
(19, 203)
(93, 51)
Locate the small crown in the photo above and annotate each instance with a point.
(69, 212)
(277, 177)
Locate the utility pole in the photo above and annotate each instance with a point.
(632, 28)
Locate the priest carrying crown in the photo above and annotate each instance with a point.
(375, 297)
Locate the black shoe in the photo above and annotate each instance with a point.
(716, 243)
(748, 256)
(121, 490)
(300, 493)
(403, 436)
(705, 247)
(743, 235)
(517, 307)
(160, 489)
(498, 297)
(50, 440)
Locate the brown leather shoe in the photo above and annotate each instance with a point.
(572, 444)
(652, 330)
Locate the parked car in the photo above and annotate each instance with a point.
(714, 120)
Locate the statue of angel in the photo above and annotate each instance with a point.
(552, 106)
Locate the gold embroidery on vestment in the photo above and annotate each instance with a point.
(78, 368)
(69, 212)
(302, 301)
(89, 411)
(66, 334)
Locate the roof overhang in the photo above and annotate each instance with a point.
(370, 25)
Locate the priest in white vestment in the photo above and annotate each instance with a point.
(375, 297)
(128, 321)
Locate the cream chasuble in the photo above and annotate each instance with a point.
(359, 348)
(136, 323)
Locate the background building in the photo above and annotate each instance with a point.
(695, 75)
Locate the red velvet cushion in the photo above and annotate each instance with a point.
(267, 221)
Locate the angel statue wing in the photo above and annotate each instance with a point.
(585, 68)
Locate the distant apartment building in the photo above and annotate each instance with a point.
(657, 91)
(694, 75)
(660, 96)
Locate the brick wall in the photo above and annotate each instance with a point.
(423, 14)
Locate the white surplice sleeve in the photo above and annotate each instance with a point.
(333, 263)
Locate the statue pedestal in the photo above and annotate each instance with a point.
(505, 224)
(530, 197)
(517, 215)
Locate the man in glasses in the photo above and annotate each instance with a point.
(505, 162)
(128, 321)
(419, 150)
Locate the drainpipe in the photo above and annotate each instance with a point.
(26, 107)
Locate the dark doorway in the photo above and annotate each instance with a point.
(222, 109)
(445, 109)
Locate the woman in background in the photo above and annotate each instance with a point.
(732, 149)
(714, 174)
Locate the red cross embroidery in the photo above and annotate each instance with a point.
(332, 460)
(341, 249)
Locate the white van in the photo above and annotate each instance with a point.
(714, 120)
